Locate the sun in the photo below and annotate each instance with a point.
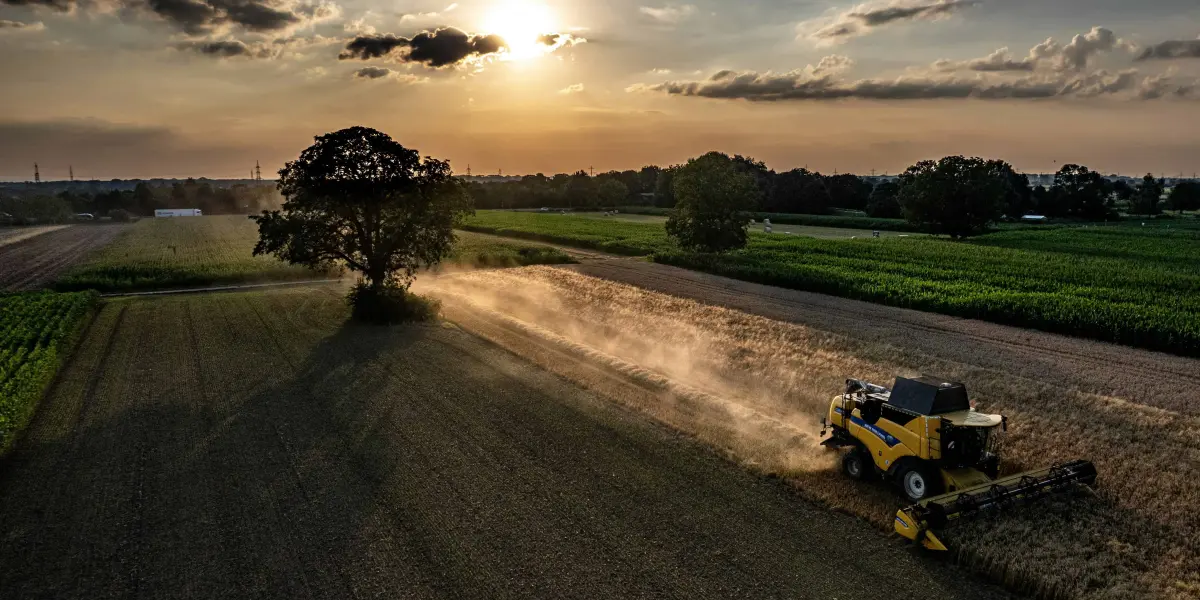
(521, 24)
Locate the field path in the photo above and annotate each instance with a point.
(1147, 377)
(34, 262)
(250, 444)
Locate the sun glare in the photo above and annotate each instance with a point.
(521, 24)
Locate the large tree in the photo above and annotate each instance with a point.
(1083, 193)
(714, 195)
(358, 198)
(799, 191)
(1185, 196)
(956, 196)
(1149, 193)
(885, 202)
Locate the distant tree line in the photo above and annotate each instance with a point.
(141, 201)
(1077, 192)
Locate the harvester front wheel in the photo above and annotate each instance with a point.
(918, 483)
(856, 464)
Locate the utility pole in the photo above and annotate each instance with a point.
(468, 169)
(37, 176)
(592, 171)
(872, 172)
(257, 172)
(71, 171)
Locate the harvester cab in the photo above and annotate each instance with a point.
(924, 436)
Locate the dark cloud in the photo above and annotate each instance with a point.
(58, 5)
(372, 73)
(862, 19)
(889, 14)
(810, 84)
(436, 49)
(199, 17)
(367, 47)
(255, 15)
(219, 49)
(1172, 49)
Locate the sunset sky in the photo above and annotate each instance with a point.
(176, 88)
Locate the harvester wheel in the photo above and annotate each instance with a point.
(918, 483)
(857, 465)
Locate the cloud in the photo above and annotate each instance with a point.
(203, 17)
(230, 48)
(670, 14)
(1000, 61)
(1048, 55)
(1171, 50)
(863, 19)
(57, 5)
(816, 83)
(218, 49)
(554, 41)
(575, 88)
(372, 73)
(6, 25)
(446, 47)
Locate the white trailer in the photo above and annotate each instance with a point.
(177, 212)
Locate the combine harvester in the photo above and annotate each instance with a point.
(924, 436)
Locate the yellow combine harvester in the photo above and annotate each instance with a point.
(924, 436)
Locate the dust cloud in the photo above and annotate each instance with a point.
(752, 386)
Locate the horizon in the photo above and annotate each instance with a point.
(124, 89)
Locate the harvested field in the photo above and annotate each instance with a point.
(35, 262)
(12, 235)
(253, 444)
(755, 388)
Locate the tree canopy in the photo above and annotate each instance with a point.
(714, 195)
(1185, 196)
(359, 198)
(956, 196)
(1080, 192)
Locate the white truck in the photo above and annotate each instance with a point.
(177, 212)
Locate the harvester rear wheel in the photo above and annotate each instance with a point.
(918, 483)
(856, 464)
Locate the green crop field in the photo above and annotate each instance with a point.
(618, 237)
(34, 328)
(1128, 284)
(218, 250)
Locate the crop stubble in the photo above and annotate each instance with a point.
(249, 444)
(34, 262)
(754, 387)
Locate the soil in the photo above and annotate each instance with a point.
(34, 262)
(253, 444)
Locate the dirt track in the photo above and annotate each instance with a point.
(1147, 377)
(36, 261)
(248, 445)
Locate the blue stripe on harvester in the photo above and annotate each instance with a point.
(887, 438)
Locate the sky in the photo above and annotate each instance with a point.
(205, 88)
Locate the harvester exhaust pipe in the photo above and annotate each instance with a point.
(917, 521)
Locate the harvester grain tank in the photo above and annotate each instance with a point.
(924, 436)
